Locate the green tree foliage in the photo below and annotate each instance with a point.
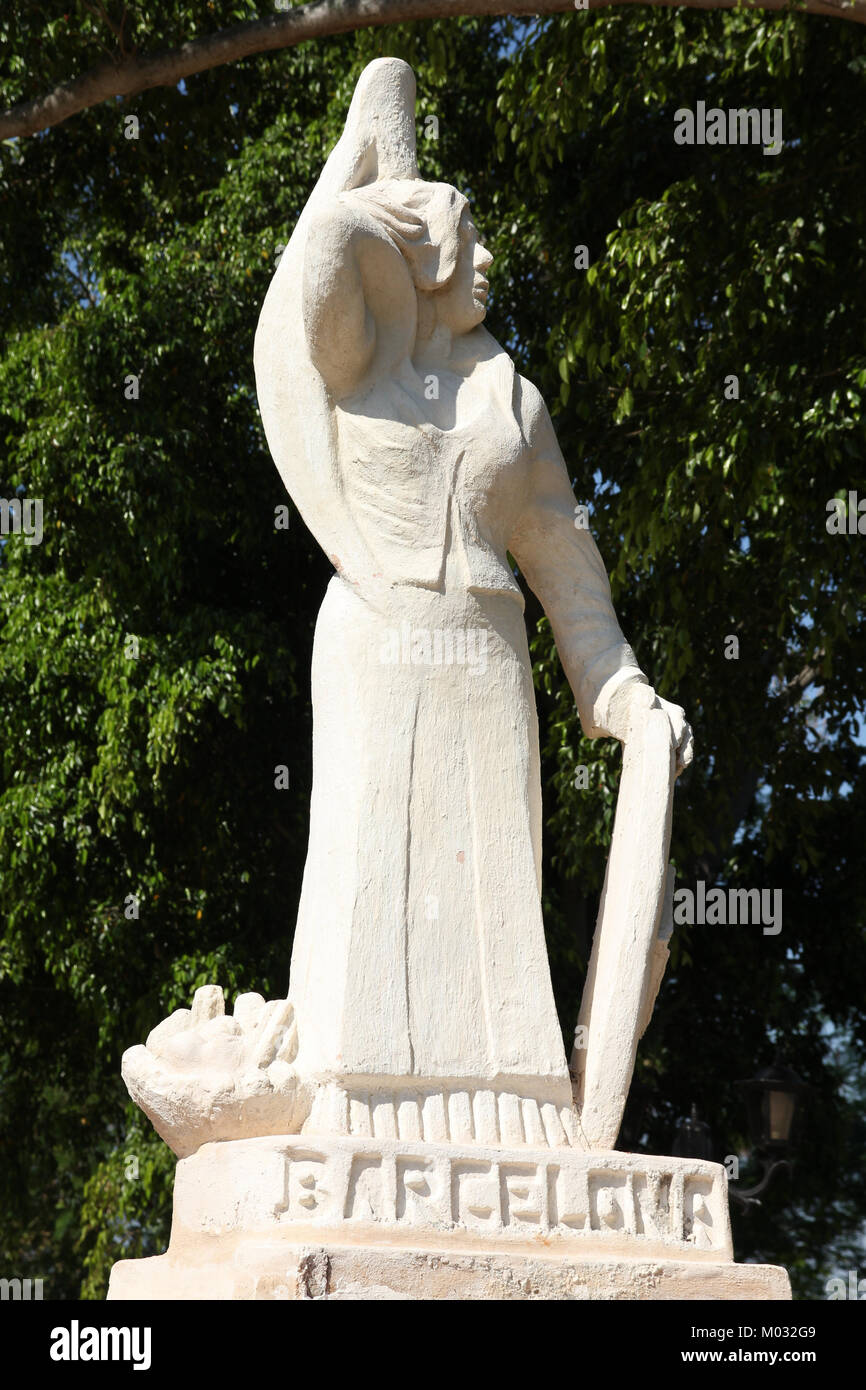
(708, 262)
(146, 783)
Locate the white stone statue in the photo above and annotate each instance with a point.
(419, 459)
(406, 1123)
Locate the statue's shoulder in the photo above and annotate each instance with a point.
(527, 402)
(530, 409)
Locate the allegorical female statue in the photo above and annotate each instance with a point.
(405, 1124)
(419, 459)
(420, 1004)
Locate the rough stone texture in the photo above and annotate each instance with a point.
(366, 1218)
(389, 1190)
(277, 1271)
(204, 1075)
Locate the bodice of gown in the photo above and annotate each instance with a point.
(419, 493)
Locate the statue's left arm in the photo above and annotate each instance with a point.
(563, 567)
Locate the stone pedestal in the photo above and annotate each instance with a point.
(350, 1218)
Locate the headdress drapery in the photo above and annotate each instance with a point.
(377, 143)
(423, 220)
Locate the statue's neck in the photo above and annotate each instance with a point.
(434, 349)
(437, 347)
(433, 340)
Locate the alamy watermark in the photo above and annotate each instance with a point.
(743, 126)
(21, 1290)
(851, 1287)
(77, 1343)
(22, 516)
(729, 907)
(847, 519)
(421, 646)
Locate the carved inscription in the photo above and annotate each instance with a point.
(422, 1191)
(569, 1202)
(365, 1199)
(652, 1193)
(697, 1213)
(475, 1198)
(611, 1202)
(517, 1198)
(307, 1186)
(523, 1195)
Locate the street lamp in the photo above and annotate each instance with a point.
(773, 1100)
(773, 1103)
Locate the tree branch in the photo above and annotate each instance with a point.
(133, 72)
(83, 283)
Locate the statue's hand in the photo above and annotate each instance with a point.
(631, 703)
(682, 730)
(204, 1075)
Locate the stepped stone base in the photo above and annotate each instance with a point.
(349, 1218)
(277, 1271)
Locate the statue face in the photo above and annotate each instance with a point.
(462, 303)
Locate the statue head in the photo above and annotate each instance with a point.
(432, 226)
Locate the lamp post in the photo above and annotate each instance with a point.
(773, 1103)
(773, 1100)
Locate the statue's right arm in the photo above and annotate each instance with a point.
(563, 567)
(357, 296)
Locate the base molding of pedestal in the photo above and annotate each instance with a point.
(275, 1270)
